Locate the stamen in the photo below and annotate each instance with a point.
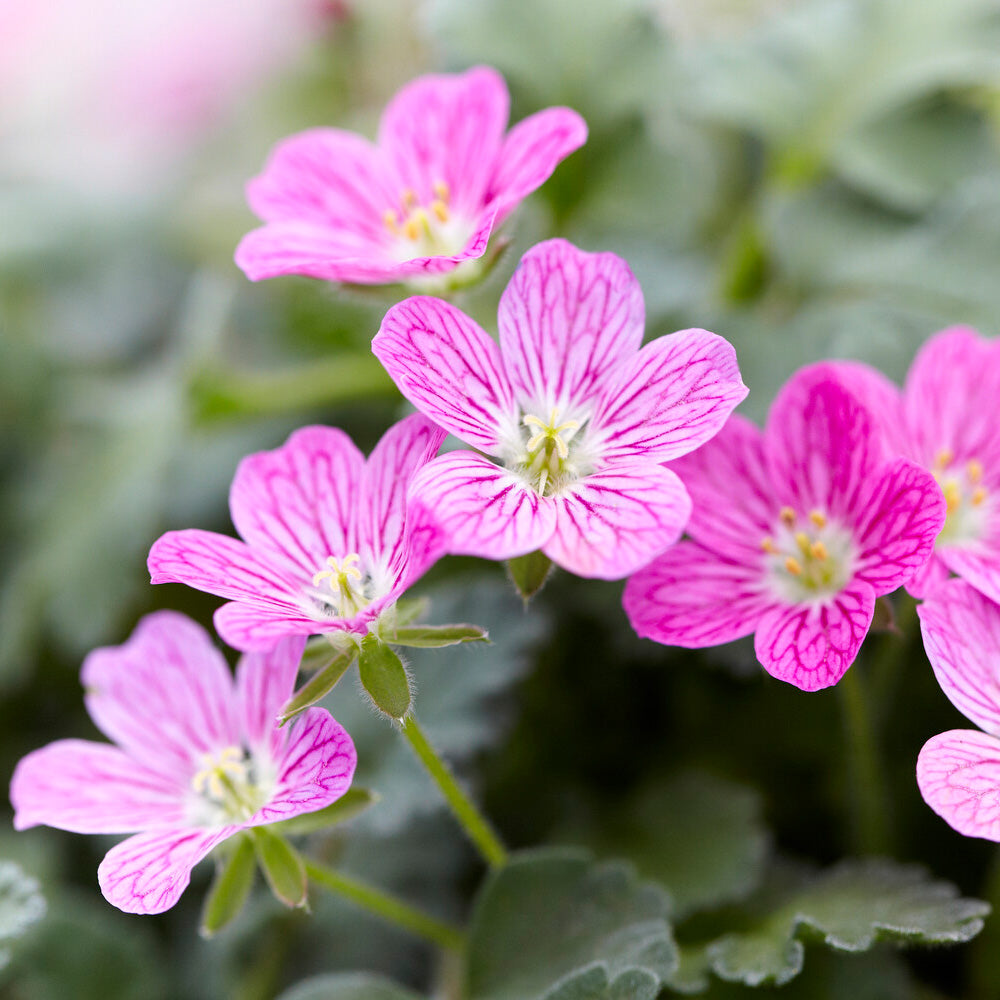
(803, 541)
(409, 197)
(818, 518)
(944, 458)
(442, 191)
(818, 551)
(787, 516)
(440, 209)
(952, 495)
(978, 496)
(793, 566)
(391, 221)
(767, 544)
(975, 471)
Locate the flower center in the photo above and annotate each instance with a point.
(808, 557)
(347, 587)
(227, 788)
(426, 230)
(965, 497)
(545, 461)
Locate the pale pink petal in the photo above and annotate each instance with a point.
(881, 397)
(315, 769)
(822, 445)
(298, 502)
(484, 510)
(264, 682)
(449, 368)
(566, 319)
(253, 627)
(961, 632)
(165, 696)
(447, 128)
(812, 645)
(613, 522)
(668, 399)
(902, 512)
(531, 152)
(692, 597)
(148, 872)
(977, 562)
(730, 487)
(932, 574)
(959, 777)
(90, 787)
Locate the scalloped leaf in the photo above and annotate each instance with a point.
(347, 986)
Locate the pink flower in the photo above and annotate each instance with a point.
(198, 758)
(959, 771)
(945, 420)
(576, 418)
(329, 545)
(795, 531)
(423, 201)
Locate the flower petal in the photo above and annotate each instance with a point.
(165, 696)
(148, 872)
(961, 632)
(449, 368)
(264, 682)
(689, 596)
(566, 319)
(932, 574)
(256, 628)
(484, 510)
(613, 522)
(668, 399)
(903, 511)
(88, 787)
(977, 562)
(959, 777)
(881, 397)
(812, 645)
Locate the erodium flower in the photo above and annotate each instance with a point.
(424, 200)
(328, 543)
(959, 771)
(795, 532)
(945, 420)
(573, 417)
(198, 758)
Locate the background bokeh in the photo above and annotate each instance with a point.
(808, 178)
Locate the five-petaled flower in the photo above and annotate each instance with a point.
(422, 202)
(575, 417)
(329, 544)
(945, 420)
(198, 758)
(959, 771)
(795, 532)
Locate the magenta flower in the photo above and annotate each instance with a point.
(959, 771)
(198, 758)
(329, 545)
(574, 417)
(421, 202)
(944, 420)
(795, 531)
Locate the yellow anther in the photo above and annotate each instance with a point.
(391, 221)
(793, 566)
(551, 431)
(442, 191)
(818, 518)
(975, 471)
(767, 544)
(787, 516)
(339, 571)
(803, 541)
(978, 496)
(952, 495)
(409, 197)
(440, 209)
(944, 458)
(411, 230)
(219, 770)
(818, 551)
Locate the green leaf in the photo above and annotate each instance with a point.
(552, 925)
(319, 685)
(281, 865)
(410, 609)
(529, 573)
(232, 885)
(435, 636)
(347, 986)
(384, 677)
(321, 650)
(351, 803)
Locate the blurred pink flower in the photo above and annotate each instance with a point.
(576, 417)
(328, 543)
(421, 202)
(795, 531)
(198, 758)
(959, 771)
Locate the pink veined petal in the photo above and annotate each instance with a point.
(165, 696)
(315, 769)
(148, 872)
(88, 787)
(298, 502)
(730, 486)
(484, 510)
(959, 777)
(822, 445)
(932, 574)
(977, 562)
(812, 645)
(690, 596)
(449, 368)
(613, 522)
(961, 632)
(903, 512)
(447, 128)
(566, 319)
(531, 152)
(254, 628)
(668, 399)
(264, 682)
(883, 400)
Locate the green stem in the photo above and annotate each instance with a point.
(870, 801)
(476, 826)
(387, 907)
